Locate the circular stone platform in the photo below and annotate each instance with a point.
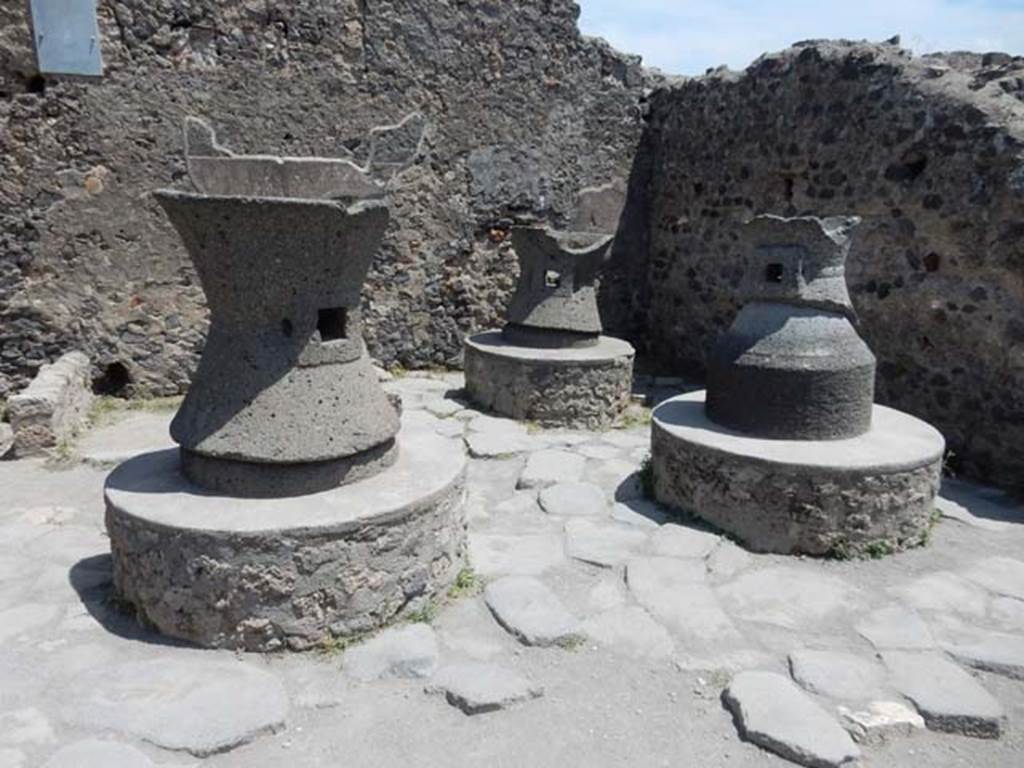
(263, 574)
(867, 495)
(578, 387)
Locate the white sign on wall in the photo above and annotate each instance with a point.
(67, 37)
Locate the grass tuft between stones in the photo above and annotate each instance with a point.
(467, 584)
(571, 642)
(634, 416)
(647, 477)
(106, 408)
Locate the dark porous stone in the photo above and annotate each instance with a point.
(792, 365)
(584, 387)
(869, 495)
(268, 574)
(724, 148)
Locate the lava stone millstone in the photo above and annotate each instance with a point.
(792, 365)
(555, 302)
(284, 380)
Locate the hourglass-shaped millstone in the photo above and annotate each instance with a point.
(555, 302)
(285, 399)
(792, 365)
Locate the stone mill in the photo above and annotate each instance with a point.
(298, 507)
(551, 363)
(786, 449)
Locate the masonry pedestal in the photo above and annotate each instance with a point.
(265, 574)
(870, 494)
(584, 387)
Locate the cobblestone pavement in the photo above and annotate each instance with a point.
(593, 629)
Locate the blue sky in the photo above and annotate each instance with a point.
(689, 36)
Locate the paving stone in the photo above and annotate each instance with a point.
(18, 621)
(450, 428)
(495, 479)
(673, 540)
(25, 726)
(178, 703)
(630, 630)
(519, 503)
(548, 467)
(944, 592)
(675, 594)
(948, 698)
(788, 597)
(609, 592)
(69, 544)
(531, 612)
(467, 628)
(954, 511)
(569, 439)
(773, 713)
(493, 425)
(520, 514)
(896, 627)
(14, 567)
(628, 439)
(485, 445)
(501, 555)
(316, 685)
(639, 512)
(606, 544)
(400, 652)
(618, 478)
(1001, 575)
(1008, 613)
(598, 451)
(91, 753)
(476, 687)
(842, 676)
(881, 722)
(47, 515)
(133, 434)
(995, 652)
(443, 409)
(727, 560)
(574, 500)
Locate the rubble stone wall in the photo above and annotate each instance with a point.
(523, 112)
(929, 151)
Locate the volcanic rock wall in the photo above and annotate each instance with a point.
(929, 151)
(522, 113)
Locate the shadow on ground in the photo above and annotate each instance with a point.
(91, 578)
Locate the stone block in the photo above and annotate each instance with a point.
(861, 495)
(580, 387)
(53, 408)
(293, 571)
(773, 713)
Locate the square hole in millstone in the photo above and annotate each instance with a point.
(332, 324)
(774, 273)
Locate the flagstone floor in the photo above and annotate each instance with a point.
(593, 629)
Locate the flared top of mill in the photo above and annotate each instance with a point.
(800, 261)
(285, 400)
(792, 365)
(555, 302)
